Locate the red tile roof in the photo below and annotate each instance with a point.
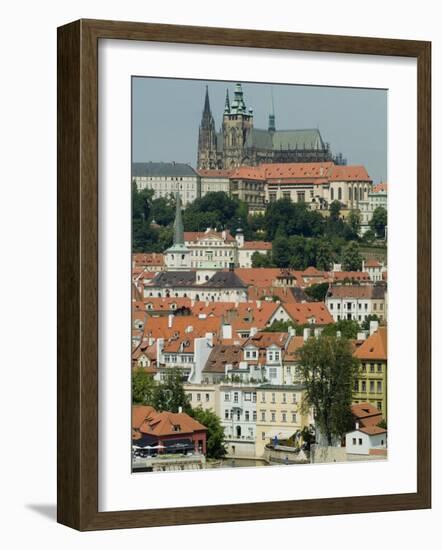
(214, 173)
(349, 173)
(163, 423)
(193, 236)
(302, 314)
(380, 187)
(375, 347)
(256, 245)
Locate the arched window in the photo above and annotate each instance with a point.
(350, 194)
(361, 194)
(332, 194)
(238, 431)
(339, 194)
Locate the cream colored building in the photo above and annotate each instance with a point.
(205, 396)
(168, 178)
(278, 414)
(214, 181)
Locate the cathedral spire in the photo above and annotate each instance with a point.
(207, 102)
(272, 124)
(178, 237)
(227, 103)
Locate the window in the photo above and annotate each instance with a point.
(331, 306)
(372, 367)
(371, 386)
(379, 367)
(207, 397)
(263, 397)
(294, 418)
(273, 417)
(254, 416)
(226, 414)
(276, 355)
(273, 398)
(198, 397)
(356, 386)
(284, 398)
(238, 415)
(284, 416)
(263, 416)
(379, 405)
(379, 386)
(247, 396)
(235, 397)
(247, 415)
(263, 435)
(227, 397)
(360, 441)
(339, 306)
(254, 397)
(364, 385)
(354, 441)
(273, 372)
(293, 397)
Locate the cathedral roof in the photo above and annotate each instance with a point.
(146, 169)
(297, 139)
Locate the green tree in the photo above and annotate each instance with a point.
(365, 325)
(369, 236)
(324, 255)
(261, 260)
(281, 251)
(170, 394)
(142, 387)
(348, 328)
(378, 221)
(163, 210)
(317, 291)
(335, 211)
(279, 326)
(351, 257)
(328, 368)
(354, 221)
(215, 432)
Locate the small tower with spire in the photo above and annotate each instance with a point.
(177, 257)
(207, 137)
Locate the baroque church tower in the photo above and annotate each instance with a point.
(207, 138)
(177, 257)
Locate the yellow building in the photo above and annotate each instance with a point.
(278, 413)
(371, 383)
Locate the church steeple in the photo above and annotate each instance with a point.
(207, 137)
(178, 237)
(178, 256)
(227, 103)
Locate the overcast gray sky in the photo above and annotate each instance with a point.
(167, 114)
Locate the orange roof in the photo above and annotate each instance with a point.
(355, 275)
(366, 414)
(291, 353)
(267, 339)
(214, 173)
(166, 423)
(256, 245)
(349, 173)
(192, 236)
(165, 304)
(373, 430)
(258, 276)
(380, 187)
(145, 260)
(297, 170)
(375, 347)
(372, 263)
(158, 327)
(248, 172)
(302, 314)
(139, 413)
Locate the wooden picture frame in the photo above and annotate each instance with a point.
(78, 274)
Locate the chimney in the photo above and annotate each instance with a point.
(258, 303)
(253, 331)
(226, 331)
(361, 335)
(169, 320)
(180, 409)
(374, 325)
(357, 425)
(292, 332)
(306, 334)
(338, 334)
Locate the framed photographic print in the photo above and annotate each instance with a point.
(243, 298)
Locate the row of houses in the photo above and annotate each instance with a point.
(315, 183)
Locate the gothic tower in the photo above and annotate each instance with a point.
(237, 122)
(207, 138)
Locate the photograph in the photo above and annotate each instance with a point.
(259, 291)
